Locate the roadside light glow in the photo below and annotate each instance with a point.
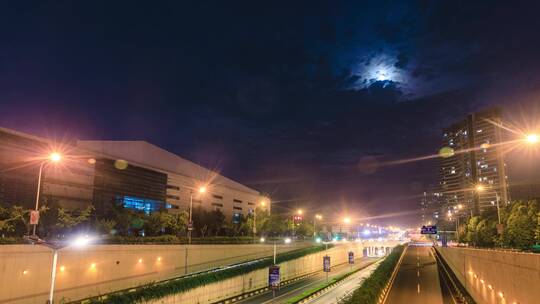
(81, 241)
(62, 268)
(140, 261)
(159, 259)
(202, 189)
(93, 266)
(262, 240)
(366, 232)
(318, 240)
(490, 287)
(347, 220)
(533, 138)
(459, 206)
(479, 188)
(25, 272)
(55, 157)
(318, 216)
(287, 240)
(299, 211)
(501, 294)
(263, 203)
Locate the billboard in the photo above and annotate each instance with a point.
(273, 277)
(428, 230)
(326, 263)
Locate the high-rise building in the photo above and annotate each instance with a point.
(472, 168)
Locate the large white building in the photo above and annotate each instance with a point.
(135, 174)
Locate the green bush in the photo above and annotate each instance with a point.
(162, 289)
(171, 239)
(371, 288)
(11, 240)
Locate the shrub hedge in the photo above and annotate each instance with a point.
(370, 290)
(162, 289)
(171, 239)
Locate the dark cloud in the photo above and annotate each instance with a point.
(301, 100)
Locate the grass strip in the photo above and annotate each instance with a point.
(309, 292)
(162, 289)
(371, 288)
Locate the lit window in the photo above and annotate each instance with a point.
(143, 204)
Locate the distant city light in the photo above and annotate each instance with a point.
(287, 241)
(318, 240)
(262, 240)
(366, 232)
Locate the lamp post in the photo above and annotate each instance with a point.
(201, 190)
(317, 217)
(481, 188)
(79, 242)
(54, 158)
(263, 204)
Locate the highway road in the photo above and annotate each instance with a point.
(348, 285)
(417, 280)
(300, 286)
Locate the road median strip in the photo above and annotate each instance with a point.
(323, 288)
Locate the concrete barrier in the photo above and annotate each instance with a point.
(25, 270)
(491, 276)
(258, 279)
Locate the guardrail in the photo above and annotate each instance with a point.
(386, 289)
(458, 292)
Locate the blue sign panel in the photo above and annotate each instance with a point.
(351, 257)
(428, 230)
(326, 264)
(273, 277)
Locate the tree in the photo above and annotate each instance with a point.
(521, 225)
(6, 222)
(70, 219)
(177, 223)
(106, 226)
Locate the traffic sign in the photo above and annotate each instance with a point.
(34, 217)
(351, 257)
(273, 277)
(326, 263)
(190, 226)
(428, 230)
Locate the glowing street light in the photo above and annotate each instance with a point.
(347, 220)
(54, 157)
(317, 217)
(533, 138)
(201, 190)
(78, 242)
(480, 188)
(299, 211)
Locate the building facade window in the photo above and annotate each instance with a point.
(142, 204)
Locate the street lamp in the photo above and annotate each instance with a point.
(347, 220)
(532, 138)
(263, 204)
(317, 217)
(299, 211)
(201, 190)
(79, 242)
(54, 157)
(481, 188)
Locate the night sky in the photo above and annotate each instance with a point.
(300, 100)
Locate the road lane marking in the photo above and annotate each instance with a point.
(418, 273)
(418, 287)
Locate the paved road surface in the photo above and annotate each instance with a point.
(296, 288)
(348, 285)
(417, 280)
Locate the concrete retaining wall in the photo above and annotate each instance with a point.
(513, 277)
(25, 270)
(258, 279)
